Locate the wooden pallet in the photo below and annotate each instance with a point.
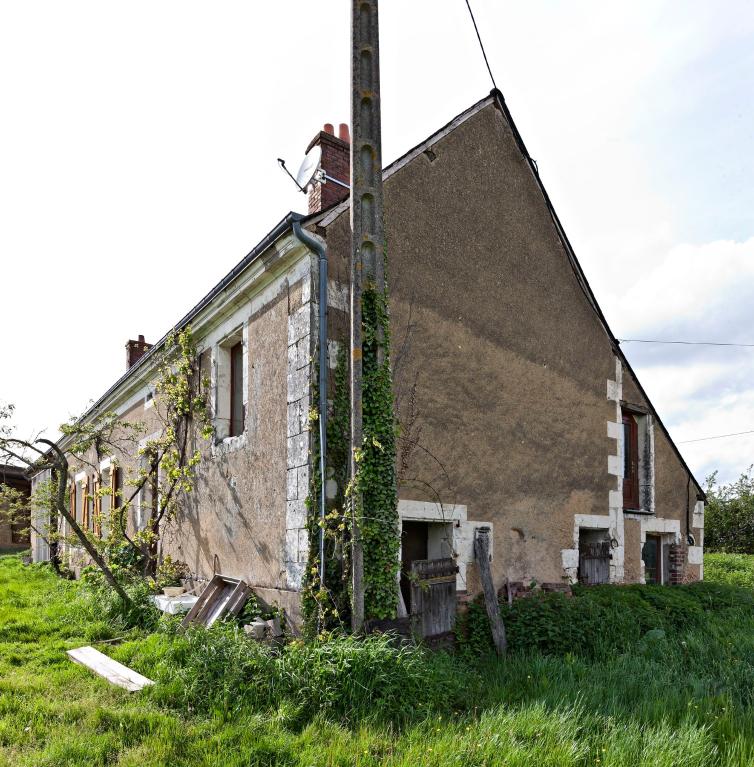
(222, 596)
(104, 666)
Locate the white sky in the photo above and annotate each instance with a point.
(138, 147)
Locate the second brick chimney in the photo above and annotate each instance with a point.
(135, 350)
(336, 162)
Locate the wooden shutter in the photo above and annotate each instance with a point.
(97, 508)
(631, 461)
(72, 506)
(85, 504)
(114, 500)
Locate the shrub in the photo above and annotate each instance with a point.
(601, 620)
(733, 569)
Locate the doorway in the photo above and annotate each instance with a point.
(414, 546)
(656, 556)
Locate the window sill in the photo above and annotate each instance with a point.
(229, 445)
(639, 512)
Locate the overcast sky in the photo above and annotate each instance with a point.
(138, 147)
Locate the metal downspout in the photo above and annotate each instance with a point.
(318, 246)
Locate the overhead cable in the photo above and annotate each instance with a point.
(717, 436)
(481, 44)
(683, 343)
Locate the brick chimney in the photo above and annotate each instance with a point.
(135, 350)
(336, 162)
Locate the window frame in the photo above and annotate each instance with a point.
(631, 461)
(237, 419)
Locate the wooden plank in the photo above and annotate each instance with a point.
(104, 666)
(482, 554)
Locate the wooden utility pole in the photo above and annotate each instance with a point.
(367, 234)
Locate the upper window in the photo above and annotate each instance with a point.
(630, 461)
(230, 402)
(638, 461)
(236, 390)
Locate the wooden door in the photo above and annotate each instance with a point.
(594, 562)
(433, 598)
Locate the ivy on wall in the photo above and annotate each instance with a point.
(327, 609)
(375, 480)
(375, 485)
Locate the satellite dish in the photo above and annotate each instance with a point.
(309, 167)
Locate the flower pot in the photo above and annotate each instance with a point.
(173, 591)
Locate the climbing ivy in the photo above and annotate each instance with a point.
(328, 608)
(371, 496)
(375, 482)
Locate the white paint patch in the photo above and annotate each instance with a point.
(698, 520)
(696, 555)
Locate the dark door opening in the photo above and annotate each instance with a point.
(651, 553)
(414, 537)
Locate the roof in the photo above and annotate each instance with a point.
(326, 217)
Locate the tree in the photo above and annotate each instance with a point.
(166, 463)
(729, 515)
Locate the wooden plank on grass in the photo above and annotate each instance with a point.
(104, 666)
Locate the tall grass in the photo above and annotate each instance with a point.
(676, 690)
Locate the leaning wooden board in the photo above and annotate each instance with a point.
(107, 668)
(222, 596)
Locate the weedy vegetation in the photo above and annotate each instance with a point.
(623, 677)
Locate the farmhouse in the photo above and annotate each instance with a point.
(518, 410)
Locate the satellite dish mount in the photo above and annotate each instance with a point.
(310, 171)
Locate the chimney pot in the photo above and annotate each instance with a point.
(329, 128)
(343, 133)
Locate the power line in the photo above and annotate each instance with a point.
(481, 44)
(684, 343)
(718, 436)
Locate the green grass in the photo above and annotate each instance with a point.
(735, 569)
(614, 677)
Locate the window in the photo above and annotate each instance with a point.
(230, 364)
(236, 390)
(630, 461)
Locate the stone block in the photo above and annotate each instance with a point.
(298, 383)
(298, 450)
(299, 324)
(295, 515)
(614, 465)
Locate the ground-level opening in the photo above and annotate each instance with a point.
(656, 556)
(594, 556)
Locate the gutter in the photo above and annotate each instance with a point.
(317, 245)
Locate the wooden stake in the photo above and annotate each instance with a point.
(482, 554)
